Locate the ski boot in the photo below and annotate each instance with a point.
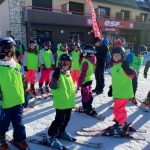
(66, 136)
(116, 130)
(3, 143)
(47, 87)
(21, 145)
(128, 127)
(41, 90)
(92, 112)
(147, 100)
(53, 142)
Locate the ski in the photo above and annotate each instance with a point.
(41, 142)
(141, 107)
(80, 109)
(144, 103)
(130, 130)
(48, 94)
(102, 133)
(42, 95)
(79, 141)
(10, 140)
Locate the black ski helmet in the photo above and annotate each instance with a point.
(65, 57)
(5, 48)
(118, 50)
(48, 44)
(32, 42)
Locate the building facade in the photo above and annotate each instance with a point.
(58, 20)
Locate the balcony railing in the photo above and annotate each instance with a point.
(84, 14)
(57, 10)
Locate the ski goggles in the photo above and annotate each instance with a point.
(143, 53)
(89, 51)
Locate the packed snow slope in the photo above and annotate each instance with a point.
(39, 118)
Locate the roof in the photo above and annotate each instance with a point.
(128, 3)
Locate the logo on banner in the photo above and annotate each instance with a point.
(89, 22)
(131, 25)
(112, 23)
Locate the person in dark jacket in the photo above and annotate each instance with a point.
(147, 66)
(101, 55)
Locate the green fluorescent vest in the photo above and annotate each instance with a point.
(11, 86)
(75, 60)
(64, 96)
(136, 63)
(89, 75)
(32, 61)
(47, 58)
(121, 83)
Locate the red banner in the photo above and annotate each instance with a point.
(94, 21)
(105, 23)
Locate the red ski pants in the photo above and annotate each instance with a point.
(120, 113)
(30, 76)
(45, 75)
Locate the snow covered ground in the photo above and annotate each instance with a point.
(39, 118)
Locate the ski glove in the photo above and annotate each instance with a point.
(110, 91)
(39, 69)
(56, 73)
(25, 68)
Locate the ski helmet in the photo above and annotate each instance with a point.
(89, 49)
(105, 42)
(10, 39)
(65, 60)
(32, 42)
(6, 48)
(118, 50)
(47, 44)
(142, 49)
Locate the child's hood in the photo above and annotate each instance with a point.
(11, 63)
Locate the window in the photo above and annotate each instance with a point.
(43, 3)
(144, 17)
(125, 14)
(77, 36)
(104, 12)
(41, 36)
(76, 8)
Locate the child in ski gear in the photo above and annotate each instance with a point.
(11, 90)
(31, 65)
(63, 49)
(63, 90)
(75, 63)
(147, 66)
(122, 90)
(86, 76)
(47, 62)
(136, 60)
(101, 56)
